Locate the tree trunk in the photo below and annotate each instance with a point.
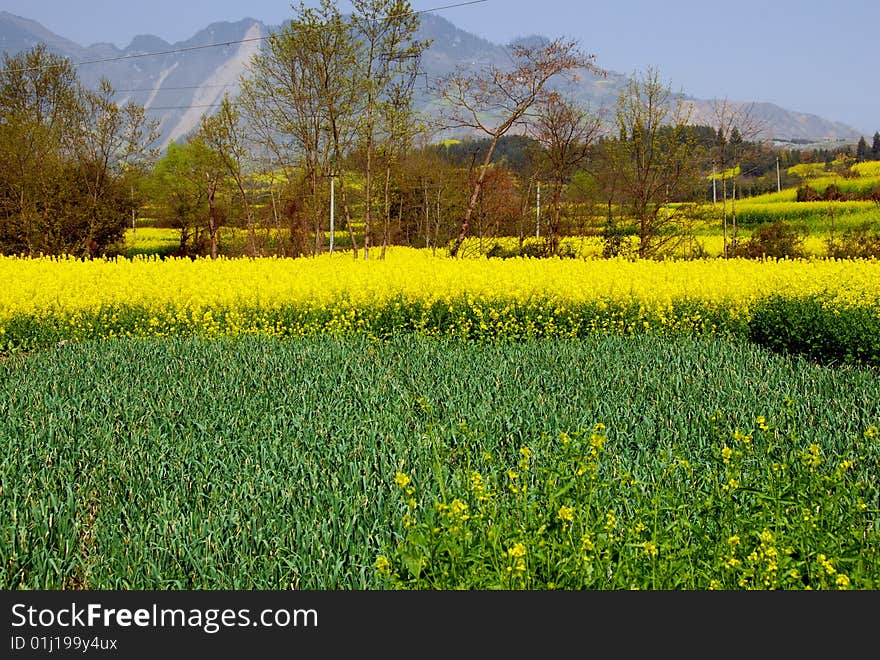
(472, 203)
(212, 219)
(554, 227)
(387, 215)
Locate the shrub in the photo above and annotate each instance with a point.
(807, 194)
(862, 242)
(832, 193)
(777, 240)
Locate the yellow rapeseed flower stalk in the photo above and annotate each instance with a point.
(402, 479)
(383, 565)
(517, 554)
(726, 453)
(566, 515)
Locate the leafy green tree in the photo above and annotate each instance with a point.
(39, 110)
(862, 152)
(183, 186)
(69, 158)
(387, 64)
(875, 146)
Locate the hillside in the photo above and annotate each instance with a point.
(181, 81)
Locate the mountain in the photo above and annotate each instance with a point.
(179, 82)
(177, 85)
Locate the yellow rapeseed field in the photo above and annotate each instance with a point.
(191, 293)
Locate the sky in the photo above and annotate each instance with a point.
(805, 55)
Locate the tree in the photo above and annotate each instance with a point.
(68, 158)
(566, 130)
(387, 64)
(492, 101)
(39, 109)
(221, 133)
(301, 96)
(653, 161)
(184, 185)
(875, 147)
(111, 144)
(431, 196)
(862, 152)
(734, 125)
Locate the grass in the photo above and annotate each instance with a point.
(254, 463)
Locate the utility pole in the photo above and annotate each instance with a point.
(778, 177)
(538, 216)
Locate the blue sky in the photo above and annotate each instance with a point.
(805, 55)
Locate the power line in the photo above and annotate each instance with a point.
(182, 107)
(162, 89)
(211, 45)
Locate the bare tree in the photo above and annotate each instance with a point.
(735, 123)
(297, 97)
(653, 161)
(566, 130)
(222, 134)
(493, 101)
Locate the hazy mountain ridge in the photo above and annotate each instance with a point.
(178, 87)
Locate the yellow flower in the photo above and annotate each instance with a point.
(827, 565)
(812, 457)
(610, 521)
(762, 423)
(650, 548)
(477, 482)
(458, 509)
(726, 453)
(566, 514)
(842, 581)
(587, 544)
(383, 565)
(741, 437)
(402, 479)
(733, 540)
